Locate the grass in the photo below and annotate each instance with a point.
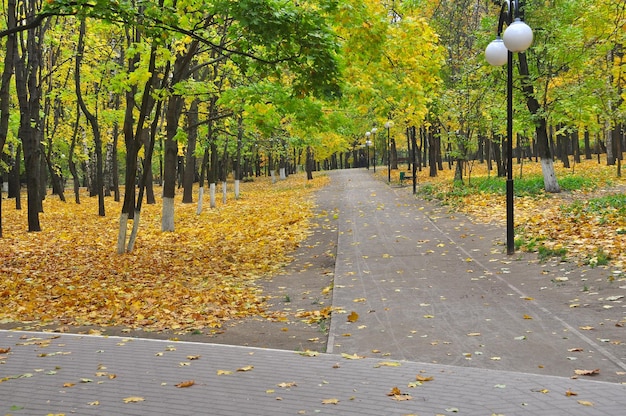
(588, 215)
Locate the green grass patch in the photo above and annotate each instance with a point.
(603, 209)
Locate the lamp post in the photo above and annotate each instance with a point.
(517, 37)
(388, 127)
(368, 143)
(374, 130)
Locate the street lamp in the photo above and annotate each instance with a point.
(517, 37)
(388, 127)
(368, 143)
(374, 130)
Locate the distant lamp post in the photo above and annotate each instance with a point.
(368, 143)
(388, 126)
(517, 37)
(374, 130)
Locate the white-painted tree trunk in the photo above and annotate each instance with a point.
(133, 233)
(224, 189)
(273, 175)
(167, 215)
(608, 137)
(283, 176)
(200, 197)
(121, 235)
(212, 194)
(236, 188)
(549, 176)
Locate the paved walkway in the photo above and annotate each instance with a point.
(428, 308)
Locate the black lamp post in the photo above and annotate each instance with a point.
(374, 130)
(388, 127)
(517, 37)
(368, 143)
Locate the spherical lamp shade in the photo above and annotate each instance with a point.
(518, 36)
(496, 53)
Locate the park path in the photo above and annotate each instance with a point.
(443, 323)
(428, 285)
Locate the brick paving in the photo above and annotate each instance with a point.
(48, 373)
(436, 304)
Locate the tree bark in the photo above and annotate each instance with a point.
(551, 184)
(190, 156)
(91, 118)
(27, 67)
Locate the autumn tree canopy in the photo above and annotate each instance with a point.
(139, 92)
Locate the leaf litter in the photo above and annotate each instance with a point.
(199, 276)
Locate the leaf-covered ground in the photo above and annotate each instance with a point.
(585, 223)
(199, 276)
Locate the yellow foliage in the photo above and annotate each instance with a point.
(198, 276)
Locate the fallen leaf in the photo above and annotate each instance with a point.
(223, 372)
(133, 399)
(569, 393)
(246, 368)
(287, 385)
(473, 334)
(330, 401)
(5, 350)
(187, 383)
(353, 317)
(395, 391)
(351, 356)
(387, 364)
(69, 384)
(309, 353)
(585, 402)
(422, 378)
(586, 328)
(193, 357)
(96, 403)
(587, 372)
(528, 317)
(575, 350)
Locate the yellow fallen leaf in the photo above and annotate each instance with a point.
(585, 402)
(387, 364)
(309, 353)
(246, 368)
(69, 384)
(422, 378)
(353, 317)
(569, 393)
(193, 357)
(96, 403)
(187, 383)
(133, 399)
(357, 300)
(330, 401)
(429, 316)
(528, 317)
(586, 328)
(223, 372)
(351, 356)
(587, 372)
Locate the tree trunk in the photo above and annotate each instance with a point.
(551, 184)
(93, 121)
(7, 73)
(432, 153)
(309, 163)
(27, 68)
(190, 153)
